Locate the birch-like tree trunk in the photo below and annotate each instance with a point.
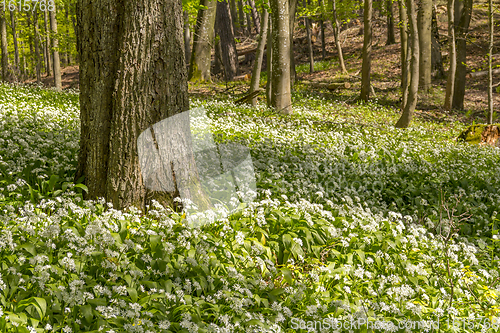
(56, 63)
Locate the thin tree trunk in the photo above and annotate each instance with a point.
(292, 9)
(234, 15)
(269, 64)
(322, 30)
(255, 16)
(367, 50)
(281, 89)
(55, 51)
(436, 58)
(14, 38)
(425, 39)
(241, 17)
(450, 84)
(309, 42)
(336, 35)
(391, 39)
(67, 49)
(47, 42)
(248, 23)
(411, 103)
(259, 55)
(225, 31)
(490, 60)
(22, 56)
(187, 37)
(199, 67)
(30, 42)
(36, 37)
(463, 11)
(3, 46)
(403, 31)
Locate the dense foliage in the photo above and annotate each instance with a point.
(355, 221)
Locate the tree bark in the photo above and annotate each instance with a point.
(436, 58)
(36, 36)
(3, 46)
(425, 39)
(292, 9)
(136, 81)
(48, 61)
(336, 35)
(224, 27)
(199, 68)
(309, 42)
(259, 55)
(450, 84)
(490, 60)
(322, 30)
(255, 16)
(55, 51)
(187, 37)
(403, 31)
(281, 89)
(241, 17)
(234, 15)
(269, 63)
(391, 39)
(13, 22)
(463, 11)
(411, 102)
(367, 50)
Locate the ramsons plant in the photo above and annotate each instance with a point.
(353, 224)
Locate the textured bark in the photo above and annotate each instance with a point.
(336, 35)
(199, 67)
(187, 37)
(255, 15)
(36, 35)
(490, 60)
(30, 43)
(48, 60)
(367, 50)
(391, 39)
(463, 11)
(241, 17)
(234, 14)
(309, 42)
(281, 89)
(3, 46)
(322, 31)
(450, 84)
(137, 79)
(425, 40)
(292, 9)
(224, 28)
(55, 51)
(67, 49)
(411, 102)
(259, 55)
(13, 23)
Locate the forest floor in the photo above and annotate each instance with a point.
(386, 69)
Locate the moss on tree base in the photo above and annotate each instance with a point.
(482, 134)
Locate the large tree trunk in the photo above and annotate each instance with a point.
(309, 42)
(199, 68)
(137, 80)
(336, 36)
(367, 50)
(3, 46)
(13, 23)
(55, 51)
(463, 11)
(490, 60)
(224, 27)
(36, 35)
(411, 101)
(391, 39)
(281, 89)
(259, 55)
(425, 40)
(450, 84)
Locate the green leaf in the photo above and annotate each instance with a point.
(361, 255)
(42, 305)
(287, 274)
(132, 293)
(86, 311)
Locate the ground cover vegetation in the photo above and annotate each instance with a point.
(352, 222)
